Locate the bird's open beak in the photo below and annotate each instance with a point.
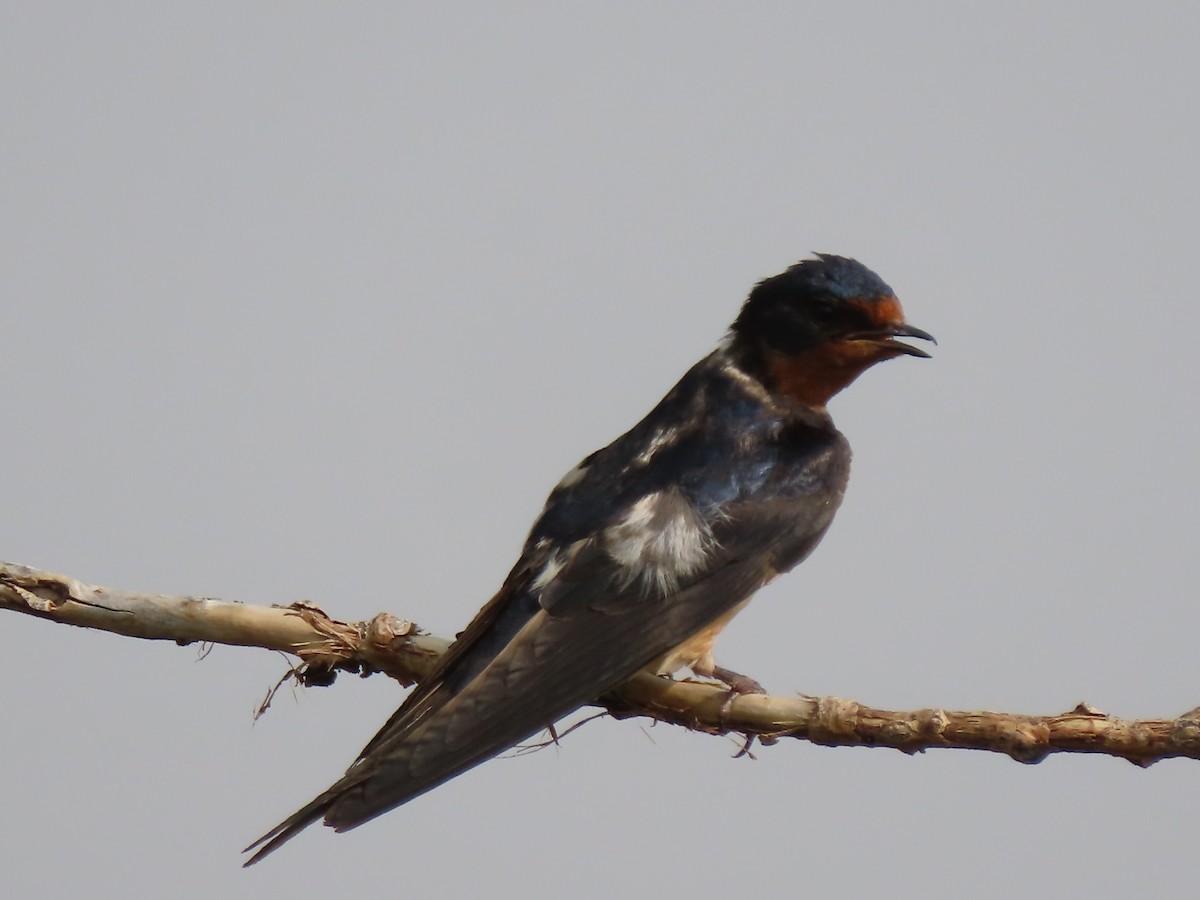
(885, 337)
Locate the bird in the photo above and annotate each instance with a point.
(648, 547)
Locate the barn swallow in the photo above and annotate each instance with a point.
(648, 547)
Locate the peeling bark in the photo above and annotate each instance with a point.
(399, 649)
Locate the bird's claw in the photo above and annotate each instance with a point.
(736, 684)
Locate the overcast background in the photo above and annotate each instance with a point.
(318, 301)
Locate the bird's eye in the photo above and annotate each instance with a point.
(825, 311)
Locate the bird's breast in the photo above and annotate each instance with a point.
(696, 653)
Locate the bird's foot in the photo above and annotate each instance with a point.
(737, 684)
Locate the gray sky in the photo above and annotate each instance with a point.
(318, 301)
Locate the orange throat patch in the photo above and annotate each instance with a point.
(815, 375)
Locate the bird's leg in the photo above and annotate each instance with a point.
(736, 683)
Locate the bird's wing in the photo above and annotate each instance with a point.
(553, 640)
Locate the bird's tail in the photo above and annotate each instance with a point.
(371, 788)
(291, 826)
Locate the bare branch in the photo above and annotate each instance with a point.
(835, 722)
(397, 648)
(323, 644)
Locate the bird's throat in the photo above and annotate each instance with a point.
(814, 376)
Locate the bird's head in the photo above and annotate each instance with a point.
(813, 329)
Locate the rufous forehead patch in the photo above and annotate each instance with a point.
(884, 311)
